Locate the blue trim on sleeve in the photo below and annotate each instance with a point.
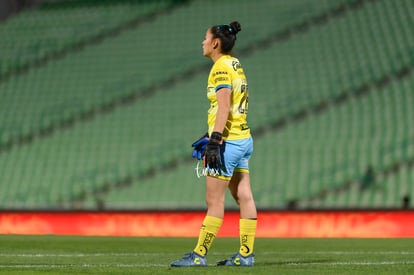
(223, 86)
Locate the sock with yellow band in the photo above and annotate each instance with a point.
(247, 236)
(208, 232)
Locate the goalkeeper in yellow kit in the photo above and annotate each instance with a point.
(226, 149)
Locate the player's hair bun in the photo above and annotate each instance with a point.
(234, 27)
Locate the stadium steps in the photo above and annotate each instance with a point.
(136, 176)
(91, 175)
(66, 105)
(385, 188)
(398, 74)
(352, 145)
(392, 114)
(390, 189)
(54, 30)
(311, 73)
(94, 179)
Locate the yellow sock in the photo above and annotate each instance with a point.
(208, 232)
(247, 236)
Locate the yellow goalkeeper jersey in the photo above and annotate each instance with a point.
(227, 72)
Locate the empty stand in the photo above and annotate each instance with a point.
(109, 125)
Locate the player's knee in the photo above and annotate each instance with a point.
(213, 201)
(244, 197)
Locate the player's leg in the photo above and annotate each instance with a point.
(215, 196)
(216, 187)
(241, 191)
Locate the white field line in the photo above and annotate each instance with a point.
(64, 266)
(340, 252)
(357, 263)
(80, 255)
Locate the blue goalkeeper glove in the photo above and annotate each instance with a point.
(200, 147)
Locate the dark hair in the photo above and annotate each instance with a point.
(226, 34)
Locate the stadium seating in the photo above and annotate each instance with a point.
(109, 125)
(52, 28)
(83, 83)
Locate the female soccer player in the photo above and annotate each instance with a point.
(227, 151)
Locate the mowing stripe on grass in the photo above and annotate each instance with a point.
(137, 254)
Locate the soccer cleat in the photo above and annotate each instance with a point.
(190, 259)
(238, 260)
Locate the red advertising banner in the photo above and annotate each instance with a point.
(336, 224)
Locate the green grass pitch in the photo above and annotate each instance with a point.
(127, 255)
